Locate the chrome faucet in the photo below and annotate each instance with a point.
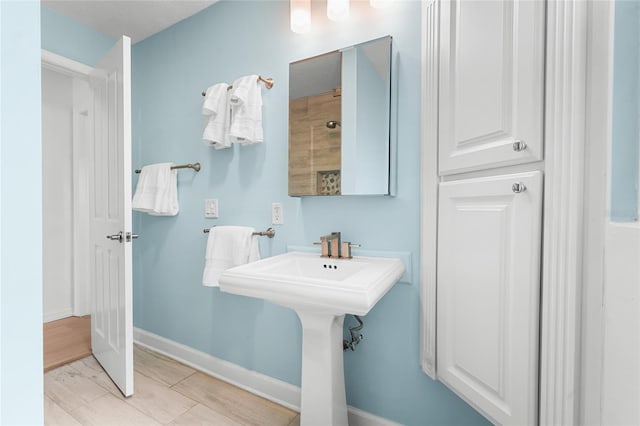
(335, 244)
(330, 245)
(334, 247)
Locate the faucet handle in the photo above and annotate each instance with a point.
(346, 249)
(324, 242)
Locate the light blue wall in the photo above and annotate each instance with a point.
(626, 99)
(224, 42)
(72, 39)
(20, 215)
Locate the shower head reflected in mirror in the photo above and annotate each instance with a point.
(332, 124)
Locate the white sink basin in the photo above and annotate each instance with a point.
(321, 291)
(305, 280)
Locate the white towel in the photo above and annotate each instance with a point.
(216, 107)
(246, 111)
(157, 190)
(228, 246)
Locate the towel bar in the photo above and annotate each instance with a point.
(194, 166)
(270, 232)
(268, 83)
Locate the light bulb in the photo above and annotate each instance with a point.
(337, 10)
(300, 18)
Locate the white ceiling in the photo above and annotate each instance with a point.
(137, 19)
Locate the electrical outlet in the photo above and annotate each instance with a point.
(211, 208)
(277, 215)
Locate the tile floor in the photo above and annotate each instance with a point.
(166, 393)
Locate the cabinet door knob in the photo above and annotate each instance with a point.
(519, 145)
(518, 187)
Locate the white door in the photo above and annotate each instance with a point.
(491, 83)
(488, 293)
(112, 319)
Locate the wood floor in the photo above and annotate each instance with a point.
(66, 340)
(166, 392)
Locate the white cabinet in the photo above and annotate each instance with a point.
(490, 115)
(489, 238)
(491, 84)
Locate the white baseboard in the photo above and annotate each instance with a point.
(53, 316)
(358, 417)
(267, 387)
(275, 390)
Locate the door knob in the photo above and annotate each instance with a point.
(518, 187)
(519, 145)
(131, 236)
(115, 237)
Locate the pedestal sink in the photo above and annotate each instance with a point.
(321, 291)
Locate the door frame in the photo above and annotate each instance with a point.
(574, 209)
(599, 111)
(80, 272)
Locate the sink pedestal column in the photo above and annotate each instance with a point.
(323, 399)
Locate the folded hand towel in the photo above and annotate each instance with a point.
(157, 190)
(228, 246)
(246, 111)
(215, 106)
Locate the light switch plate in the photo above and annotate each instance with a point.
(211, 208)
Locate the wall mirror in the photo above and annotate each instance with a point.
(339, 109)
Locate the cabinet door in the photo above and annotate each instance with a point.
(491, 84)
(488, 294)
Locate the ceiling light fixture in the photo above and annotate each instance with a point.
(379, 4)
(300, 18)
(337, 10)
